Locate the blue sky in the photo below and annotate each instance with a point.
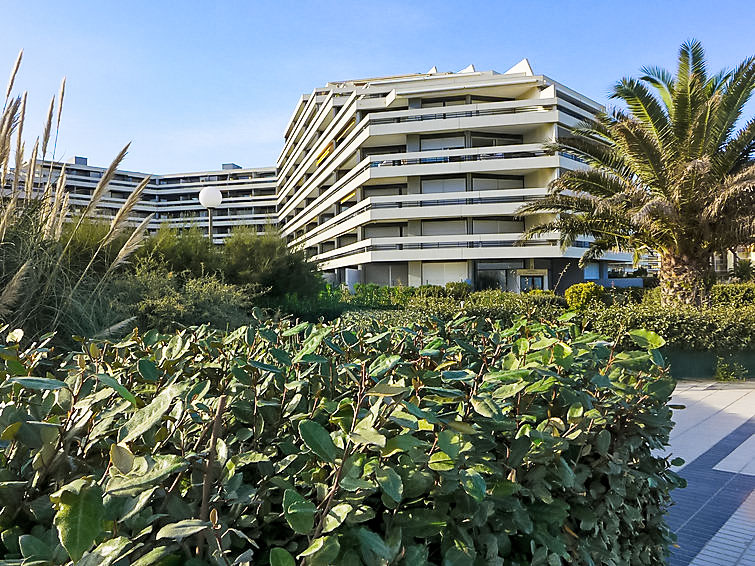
(196, 84)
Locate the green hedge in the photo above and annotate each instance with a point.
(497, 305)
(458, 444)
(734, 294)
(722, 328)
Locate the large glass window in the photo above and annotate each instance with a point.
(451, 185)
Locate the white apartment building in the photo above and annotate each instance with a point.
(249, 196)
(410, 179)
(415, 179)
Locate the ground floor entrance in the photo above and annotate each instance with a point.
(514, 275)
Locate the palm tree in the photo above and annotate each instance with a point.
(672, 173)
(743, 269)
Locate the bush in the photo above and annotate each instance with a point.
(246, 258)
(733, 294)
(581, 295)
(162, 299)
(458, 289)
(188, 250)
(431, 291)
(453, 444)
(265, 260)
(729, 370)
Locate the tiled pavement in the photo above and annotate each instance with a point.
(714, 517)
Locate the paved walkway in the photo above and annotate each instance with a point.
(714, 517)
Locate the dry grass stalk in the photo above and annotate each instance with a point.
(128, 248)
(13, 291)
(102, 186)
(13, 76)
(48, 127)
(62, 215)
(56, 206)
(19, 145)
(31, 173)
(120, 219)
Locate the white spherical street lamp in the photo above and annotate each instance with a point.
(210, 198)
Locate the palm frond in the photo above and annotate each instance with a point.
(644, 107)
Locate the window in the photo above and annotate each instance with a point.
(592, 271)
(452, 185)
(445, 142)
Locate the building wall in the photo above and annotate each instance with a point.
(427, 171)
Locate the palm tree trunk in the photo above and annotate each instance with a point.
(685, 279)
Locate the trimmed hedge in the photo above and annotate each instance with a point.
(459, 444)
(723, 328)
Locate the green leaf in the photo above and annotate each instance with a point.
(660, 389)
(264, 367)
(372, 547)
(147, 475)
(322, 552)
(105, 553)
(182, 529)
(603, 441)
(312, 342)
(38, 383)
(147, 369)
(575, 412)
(441, 462)
(135, 504)
(122, 458)
(450, 443)
(336, 516)
(401, 443)
(155, 556)
(509, 390)
(281, 556)
(387, 390)
(382, 365)
(33, 548)
(147, 417)
(647, 339)
(486, 406)
(473, 483)
(318, 440)
(390, 482)
(299, 513)
(364, 433)
(112, 383)
(79, 519)
(296, 329)
(542, 344)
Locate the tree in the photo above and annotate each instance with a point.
(672, 173)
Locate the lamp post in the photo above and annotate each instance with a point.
(210, 198)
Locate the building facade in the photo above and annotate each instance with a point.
(402, 180)
(416, 179)
(249, 196)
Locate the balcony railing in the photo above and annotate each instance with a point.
(498, 196)
(465, 241)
